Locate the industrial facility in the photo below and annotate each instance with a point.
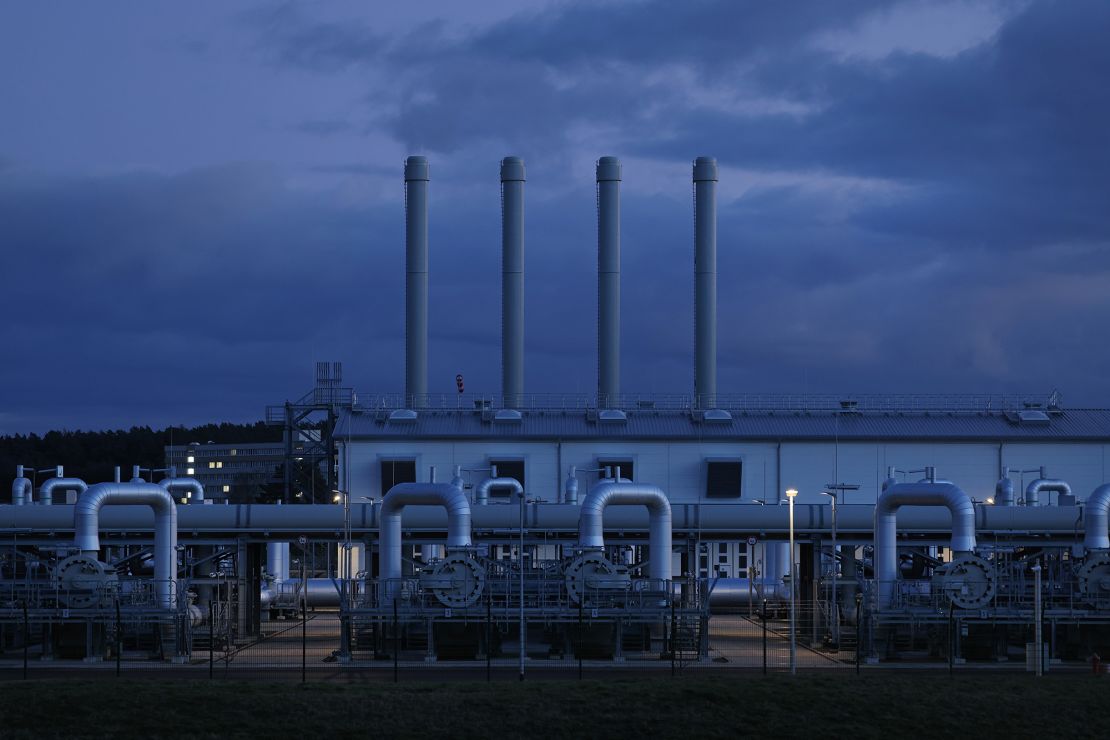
(609, 526)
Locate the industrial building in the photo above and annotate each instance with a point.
(610, 525)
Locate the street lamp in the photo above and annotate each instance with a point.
(835, 614)
(791, 493)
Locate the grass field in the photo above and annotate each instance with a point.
(722, 706)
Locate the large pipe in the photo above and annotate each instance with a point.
(46, 490)
(705, 282)
(416, 281)
(608, 281)
(1096, 516)
(886, 526)
(86, 528)
(512, 281)
(189, 486)
(1045, 484)
(482, 491)
(591, 528)
(447, 495)
(22, 488)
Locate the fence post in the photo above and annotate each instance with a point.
(578, 642)
(674, 638)
(304, 638)
(396, 639)
(859, 631)
(26, 638)
(951, 640)
(489, 634)
(119, 637)
(763, 616)
(211, 640)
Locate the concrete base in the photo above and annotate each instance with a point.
(92, 659)
(179, 659)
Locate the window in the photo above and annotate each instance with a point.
(723, 478)
(508, 468)
(623, 463)
(190, 459)
(219, 464)
(397, 471)
(211, 465)
(232, 452)
(190, 471)
(227, 489)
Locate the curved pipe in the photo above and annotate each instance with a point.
(86, 528)
(277, 560)
(606, 493)
(886, 525)
(1045, 484)
(21, 491)
(482, 491)
(447, 495)
(1096, 516)
(46, 490)
(1004, 492)
(189, 486)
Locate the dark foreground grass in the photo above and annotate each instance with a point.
(894, 706)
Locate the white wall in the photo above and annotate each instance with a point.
(679, 467)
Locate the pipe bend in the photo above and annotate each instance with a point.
(22, 489)
(187, 485)
(46, 490)
(1096, 517)
(482, 491)
(591, 527)
(1045, 484)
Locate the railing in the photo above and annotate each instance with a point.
(755, 402)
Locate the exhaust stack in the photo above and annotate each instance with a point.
(608, 282)
(416, 281)
(512, 282)
(705, 282)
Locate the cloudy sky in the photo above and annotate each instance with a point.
(198, 201)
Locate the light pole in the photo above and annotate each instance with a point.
(791, 493)
(835, 632)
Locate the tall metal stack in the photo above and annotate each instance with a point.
(512, 281)
(416, 281)
(705, 282)
(608, 281)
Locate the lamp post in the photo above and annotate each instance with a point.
(791, 493)
(835, 631)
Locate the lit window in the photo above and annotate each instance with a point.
(227, 489)
(219, 464)
(211, 465)
(233, 452)
(190, 459)
(184, 499)
(190, 471)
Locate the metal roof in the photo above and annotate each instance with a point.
(1091, 425)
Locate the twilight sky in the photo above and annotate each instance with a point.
(197, 201)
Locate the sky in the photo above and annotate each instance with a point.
(198, 201)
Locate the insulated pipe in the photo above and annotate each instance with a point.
(22, 488)
(189, 486)
(608, 282)
(416, 281)
(277, 560)
(1004, 492)
(450, 497)
(1045, 484)
(481, 492)
(1096, 516)
(591, 520)
(705, 282)
(46, 490)
(86, 528)
(886, 526)
(512, 282)
(570, 488)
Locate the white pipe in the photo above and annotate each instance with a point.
(447, 495)
(22, 488)
(1045, 484)
(482, 491)
(570, 488)
(1096, 517)
(591, 527)
(277, 560)
(86, 528)
(886, 525)
(185, 485)
(46, 490)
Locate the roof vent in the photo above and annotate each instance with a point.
(715, 416)
(611, 416)
(402, 416)
(508, 416)
(849, 406)
(1031, 417)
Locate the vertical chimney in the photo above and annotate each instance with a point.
(416, 281)
(608, 281)
(705, 282)
(512, 281)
